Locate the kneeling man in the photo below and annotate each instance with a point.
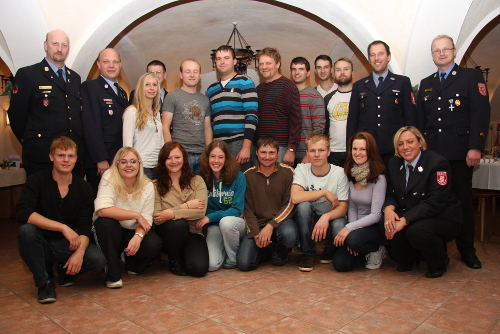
(321, 192)
(268, 209)
(56, 209)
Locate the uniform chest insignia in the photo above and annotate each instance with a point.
(362, 94)
(68, 80)
(428, 90)
(45, 87)
(110, 112)
(45, 102)
(366, 81)
(414, 194)
(15, 89)
(435, 75)
(396, 91)
(392, 78)
(46, 69)
(46, 95)
(67, 71)
(442, 178)
(454, 73)
(420, 169)
(426, 97)
(396, 101)
(106, 86)
(482, 134)
(400, 168)
(457, 103)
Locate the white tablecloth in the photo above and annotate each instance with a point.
(486, 176)
(12, 177)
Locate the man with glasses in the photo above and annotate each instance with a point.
(157, 68)
(103, 103)
(454, 114)
(382, 102)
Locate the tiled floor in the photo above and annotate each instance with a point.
(267, 300)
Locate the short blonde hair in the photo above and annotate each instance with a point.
(413, 130)
(316, 137)
(443, 36)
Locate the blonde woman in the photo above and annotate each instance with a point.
(123, 217)
(142, 127)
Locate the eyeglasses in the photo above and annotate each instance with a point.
(444, 51)
(125, 161)
(156, 72)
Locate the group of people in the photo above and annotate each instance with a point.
(167, 168)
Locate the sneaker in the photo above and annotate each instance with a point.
(47, 293)
(63, 278)
(229, 265)
(306, 262)
(278, 261)
(114, 285)
(326, 257)
(374, 259)
(176, 268)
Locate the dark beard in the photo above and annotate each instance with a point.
(345, 81)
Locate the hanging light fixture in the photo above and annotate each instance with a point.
(244, 53)
(485, 72)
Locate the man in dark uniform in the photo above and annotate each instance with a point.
(103, 102)
(382, 102)
(46, 104)
(454, 114)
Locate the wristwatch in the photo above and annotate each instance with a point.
(140, 235)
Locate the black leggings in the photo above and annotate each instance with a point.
(112, 238)
(181, 245)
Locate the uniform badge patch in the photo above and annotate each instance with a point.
(482, 89)
(45, 102)
(442, 178)
(482, 134)
(413, 97)
(15, 89)
(396, 101)
(110, 112)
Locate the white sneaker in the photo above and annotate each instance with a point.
(114, 285)
(374, 259)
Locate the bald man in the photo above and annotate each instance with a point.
(46, 104)
(103, 103)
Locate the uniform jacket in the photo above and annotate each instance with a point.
(454, 117)
(42, 108)
(429, 192)
(102, 121)
(381, 111)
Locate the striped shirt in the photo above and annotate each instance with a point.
(279, 112)
(234, 109)
(313, 116)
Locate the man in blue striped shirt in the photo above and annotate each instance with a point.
(234, 104)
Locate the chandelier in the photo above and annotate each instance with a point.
(243, 51)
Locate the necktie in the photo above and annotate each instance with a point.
(60, 75)
(410, 171)
(380, 80)
(442, 78)
(119, 93)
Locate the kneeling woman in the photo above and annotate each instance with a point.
(180, 201)
(124, 215)
(226, 201)
(361, 237)
(421, 213)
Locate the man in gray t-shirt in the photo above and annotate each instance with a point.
(186, 115)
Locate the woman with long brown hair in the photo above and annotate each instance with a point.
(361, 238)
(180, 201)
(226, 201)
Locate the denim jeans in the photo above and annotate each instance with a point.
(337, 158)
(363, 240)
(307, 215)
(235, 148)
(194, 162)
(250, 255)
(223, 241)
(150, 172)
(37, 250)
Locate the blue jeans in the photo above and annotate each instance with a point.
(363, 240)
(223, 241)
(194, 162)
(235, 148)
(307, 215)
(149, 172)
(284, 237)
(37, 250)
